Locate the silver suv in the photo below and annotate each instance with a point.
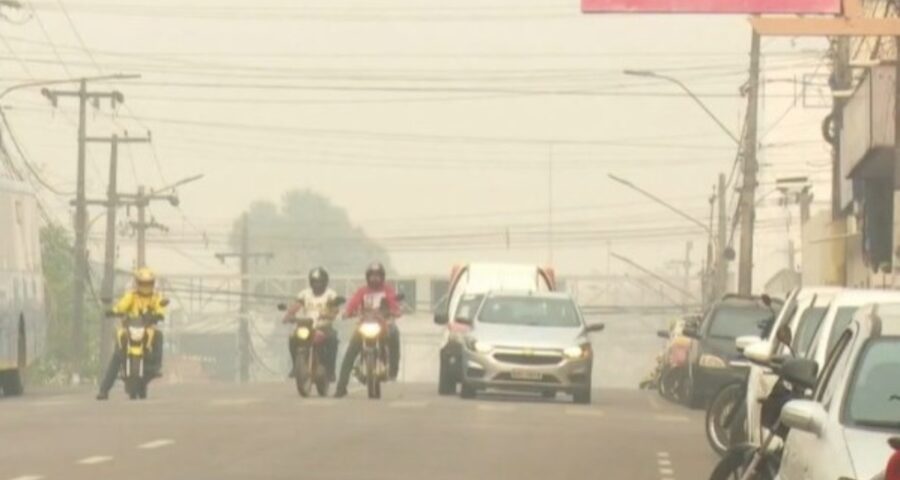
(534, 341)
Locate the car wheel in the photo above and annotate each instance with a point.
(446, 382)
(582, 397)
(466, 391)
(724, 408)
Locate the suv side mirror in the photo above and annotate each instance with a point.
(596, 327)
(784, 335)
(663, 334)
(800, 372)
(441, 318)
(691, 331)
(766, 300)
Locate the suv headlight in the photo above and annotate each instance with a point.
(712, 361)
(574, 352)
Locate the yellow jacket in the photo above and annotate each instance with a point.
(133, 305)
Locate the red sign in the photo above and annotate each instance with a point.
(713, 6)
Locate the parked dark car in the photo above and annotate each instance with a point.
(714, 358)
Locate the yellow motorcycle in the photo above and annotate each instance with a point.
(134, 338)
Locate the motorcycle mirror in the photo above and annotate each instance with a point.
(164, 302)
(282, 307)
(766, 300)
(109, 314)
(338, 301)
(401, 297)
(784, 335)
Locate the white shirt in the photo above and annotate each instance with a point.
(317, 307)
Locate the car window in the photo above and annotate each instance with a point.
(807, 328)
(874, 394)
(842, 319)
(730, 322)
(529, 311)
(835, 365)
(468, 305)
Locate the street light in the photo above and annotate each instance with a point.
(662, 202)
(652, 74)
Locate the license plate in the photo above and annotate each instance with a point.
(525, 375)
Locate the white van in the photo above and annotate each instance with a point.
(468, 285)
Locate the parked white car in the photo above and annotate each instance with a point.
(843, 431)
(803, 312)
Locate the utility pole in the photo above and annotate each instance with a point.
(687, 274)
(141, 200)
(107, 286)
(80, 252)
(721, 281)
(244, 255)
(750, 167)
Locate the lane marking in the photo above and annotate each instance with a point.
(585, 412)
(234, 402)
(662, 454)
(28, 477)
(666, 471)
(162, 442)
(485, 407)
(671, 418)
(664, 463)
(320, 402)
(408, 404)
(94, 460)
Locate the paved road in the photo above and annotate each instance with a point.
(264, 431)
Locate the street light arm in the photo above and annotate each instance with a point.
(662, 202)
(695, 98)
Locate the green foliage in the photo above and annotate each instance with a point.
(308, 231)
(59, 361)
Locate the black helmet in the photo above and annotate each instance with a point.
(318, 280)
(375, 270)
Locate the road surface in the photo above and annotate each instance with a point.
(265, 431)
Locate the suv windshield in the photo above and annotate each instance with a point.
(529, 311)
(732, 321)
(874, 394)
(806, 330)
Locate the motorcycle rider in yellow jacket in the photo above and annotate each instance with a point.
(141, 300)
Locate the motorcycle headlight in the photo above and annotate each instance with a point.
(136, 333)
(303, 333)
(712, 361)
(370, 330)
(574, 353)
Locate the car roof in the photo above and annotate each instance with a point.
(529, 294)
(857, 298)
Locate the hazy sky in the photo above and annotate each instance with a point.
(422, 119)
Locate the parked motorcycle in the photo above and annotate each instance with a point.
(309, 366)
(796, 377)
(134, 336)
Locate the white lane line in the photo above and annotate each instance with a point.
(162, 442)
(666, 472)
(28, 477)
(662, 454)
(408, 404)
(664, 463)
(585, 412)
(671, 418)
(94, 460)
(485, 407)
(234, 402)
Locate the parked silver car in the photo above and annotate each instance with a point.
(534, 341)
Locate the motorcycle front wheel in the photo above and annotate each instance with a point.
(735, 463)
(726, 418)
(373, 382)
(301, 374)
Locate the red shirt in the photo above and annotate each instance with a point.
(370, 299)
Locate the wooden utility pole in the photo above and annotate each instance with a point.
(107, 285)
(141, 201)
(722, 236)
(244, 255)
(750, 167)
(80, 252)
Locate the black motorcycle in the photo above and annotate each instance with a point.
(751, 462)
(309, 366)
(134, 337)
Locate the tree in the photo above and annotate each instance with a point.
(308, 231)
